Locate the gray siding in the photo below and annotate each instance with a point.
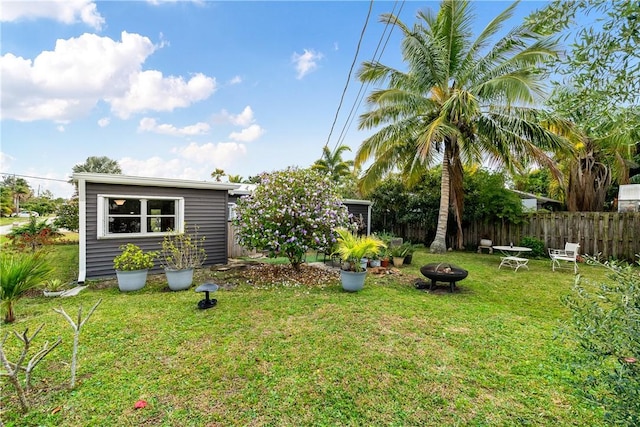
(206, 209)
(359, 209)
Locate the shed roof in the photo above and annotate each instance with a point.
(629, 192)
(145, 181)
(525, 195)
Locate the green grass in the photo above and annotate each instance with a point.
(291, 355)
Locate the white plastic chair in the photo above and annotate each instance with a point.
(568, 254)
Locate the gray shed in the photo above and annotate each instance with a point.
(118, 209)
(629, 198)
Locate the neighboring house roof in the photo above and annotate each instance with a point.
(243, 189)
(629, 192)
(151, 182)
(525, 195)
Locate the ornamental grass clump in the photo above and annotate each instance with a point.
(19, 273)
(134, 258)
(352, 248)
(183, 251)
(291, 212)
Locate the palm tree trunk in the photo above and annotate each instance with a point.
(439, 244)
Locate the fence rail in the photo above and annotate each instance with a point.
(610, 234)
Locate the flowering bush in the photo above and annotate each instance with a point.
(291, 212)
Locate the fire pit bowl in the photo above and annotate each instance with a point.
(442, 272)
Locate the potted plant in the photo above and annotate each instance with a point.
(398, 253)
(385, 256)
(181, 253)
(411, 248)
(352, 249)
(54, 288)
(132, 266)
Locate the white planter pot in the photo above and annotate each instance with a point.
(52, 293)
(375, 263)
(131, 280)
(352, 281)
(486, 242)
(398, 261)
(179, 280)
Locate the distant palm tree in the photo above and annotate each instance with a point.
(331, 163)
(459, 101)
(218, 174)
(235, 178)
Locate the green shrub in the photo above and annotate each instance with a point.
(605, 324)
(133, 258)
(536, 245)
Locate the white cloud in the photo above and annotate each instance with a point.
(148, 124)
(104, 122)
(68, 82)
(219, 154)
(194, 161)
(149, 90)
(245, 118)
(5, 162)
(60, 128)
(157, 167)
(235, 80)
(306, 62)
(66, 11)
(249, 134)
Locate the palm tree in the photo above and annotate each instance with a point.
(218, 174)
(459, 101)
(331, 163)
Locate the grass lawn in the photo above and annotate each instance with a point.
(291, 355)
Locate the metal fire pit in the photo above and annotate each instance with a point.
(442, 272)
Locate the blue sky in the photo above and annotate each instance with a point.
(178, 89)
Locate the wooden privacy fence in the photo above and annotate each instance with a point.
(610, 234)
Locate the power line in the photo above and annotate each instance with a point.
(355, 57)
(363, 87)
(33, 177)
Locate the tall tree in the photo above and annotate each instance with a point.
(98, 164)
(599, 91)
(332, 164)
(460, 101)
(19, 189)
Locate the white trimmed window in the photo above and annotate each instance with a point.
(139, 215)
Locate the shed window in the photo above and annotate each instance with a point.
(138, 215)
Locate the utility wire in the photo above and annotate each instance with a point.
(363, 87)
(355, 57)
(33, 177)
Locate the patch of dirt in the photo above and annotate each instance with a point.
(285, 274)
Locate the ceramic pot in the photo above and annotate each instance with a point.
(398, 261)
(352, 281)
(131, 280)
(179, 280)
